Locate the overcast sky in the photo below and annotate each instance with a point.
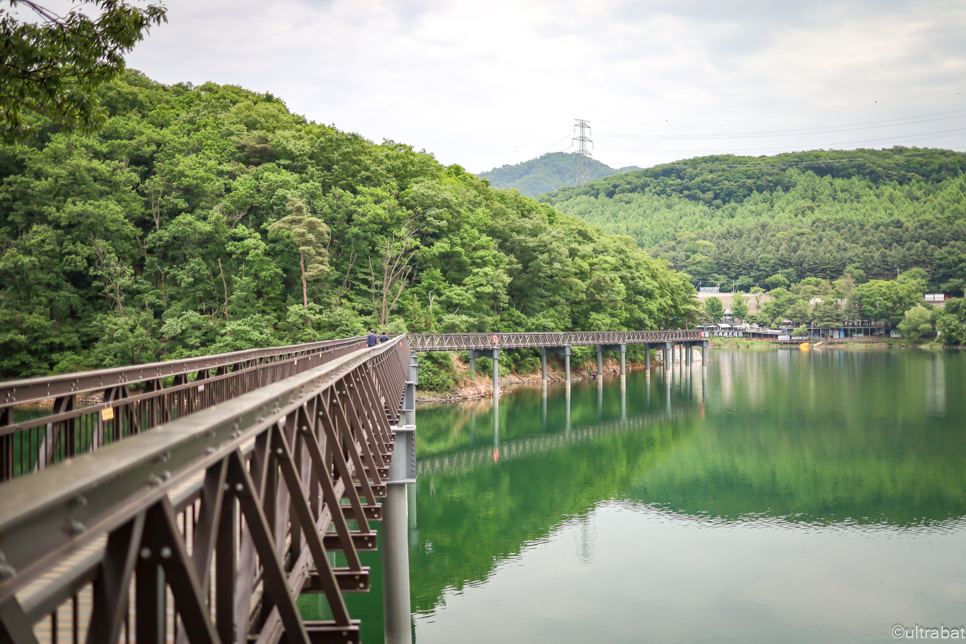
(483, 84)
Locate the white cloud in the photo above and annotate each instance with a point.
(482, 84)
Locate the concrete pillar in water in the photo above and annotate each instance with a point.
(494, 355)
(543, 409)
(395, 566)
(600, 362)
(647, 358)
(600, 400)
(669, 380)
(559, 351)
(623, 399)
(613, 347)
(668, 356)
(496, 429)
(567, 425)
(543, 366)
(396, 522)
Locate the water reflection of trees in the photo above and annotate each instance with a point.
(479, 517)
(868, 439)
(821, 438)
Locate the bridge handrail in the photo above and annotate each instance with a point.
(32, 390)
(538, 339)
(345, 405)
(167, 390)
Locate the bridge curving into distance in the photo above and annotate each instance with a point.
(195, 500)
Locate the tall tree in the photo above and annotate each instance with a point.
(739, 306)
(312, 236)
(714, 309)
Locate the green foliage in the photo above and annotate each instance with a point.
(714, 309)
(888, 300)
(548, 172)
(800, 331)
(918, 322)
(821, 214)
(436, 372)
(203, 219)
(739, 306)
(951, 323)
(52, 67)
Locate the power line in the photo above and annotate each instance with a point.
(851, 127)
(785, 147)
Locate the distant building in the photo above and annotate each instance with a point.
(729, 317)
(936, 299)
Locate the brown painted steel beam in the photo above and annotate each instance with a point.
(247, 489)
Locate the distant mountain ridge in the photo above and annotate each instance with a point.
(547, 173)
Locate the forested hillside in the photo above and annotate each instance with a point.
(729, 219)
(207, 219)
(548, 172)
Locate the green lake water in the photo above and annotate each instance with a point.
(772, 496)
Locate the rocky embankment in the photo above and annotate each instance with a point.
(482, 386)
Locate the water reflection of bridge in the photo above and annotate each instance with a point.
(522, 447)
(682, 378)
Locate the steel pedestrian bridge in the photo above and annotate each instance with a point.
(257, 467)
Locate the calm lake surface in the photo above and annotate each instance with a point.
(773, 496)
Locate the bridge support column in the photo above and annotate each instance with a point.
(668, 356)
(613, 347)
(543, 367)
(647, 358)
(559, 351)
(472, 366)
(396, 520)
(600, 362)
(494, 355)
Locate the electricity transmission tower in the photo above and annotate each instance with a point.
(583, 153)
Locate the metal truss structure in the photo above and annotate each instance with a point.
(207, 528)
(94, 408)
(467, 341)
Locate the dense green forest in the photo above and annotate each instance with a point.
(208, 219)
(800, 221)
(548, 172)
(815, 214)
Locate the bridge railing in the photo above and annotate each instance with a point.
(466, 341)
(75, 413)
(207, 528)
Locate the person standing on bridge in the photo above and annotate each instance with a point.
(384, 337)
(372, 339)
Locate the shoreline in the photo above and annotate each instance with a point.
(482, 387)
